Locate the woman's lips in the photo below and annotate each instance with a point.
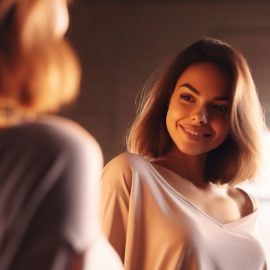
(196, 133)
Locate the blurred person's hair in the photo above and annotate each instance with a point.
(39, 72)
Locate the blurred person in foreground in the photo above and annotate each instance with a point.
(49, 166)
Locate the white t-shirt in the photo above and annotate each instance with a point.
(153, 227)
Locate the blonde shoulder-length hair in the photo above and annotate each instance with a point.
(38, 72)
(238, 157)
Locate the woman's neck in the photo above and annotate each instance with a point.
(188, 167)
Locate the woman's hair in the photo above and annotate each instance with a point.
(237, 158)
(38, 72)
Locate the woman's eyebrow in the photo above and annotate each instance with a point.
(197, 92)
(190, 87)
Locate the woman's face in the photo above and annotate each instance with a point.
(198, 114)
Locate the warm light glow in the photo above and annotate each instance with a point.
(264, 176)
(260, 188)
(60, 17)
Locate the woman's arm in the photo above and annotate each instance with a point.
(115, 188)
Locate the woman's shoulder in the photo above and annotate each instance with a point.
(125, 162)
(245, 201)
(59, 130)
(64, 128)
(52, 136)
(72, 138)
(120, 171)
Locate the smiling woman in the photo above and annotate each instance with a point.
(171, 201)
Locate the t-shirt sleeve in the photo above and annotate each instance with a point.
(115, 189)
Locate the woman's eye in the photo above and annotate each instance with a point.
(222, 108)
(187, 98)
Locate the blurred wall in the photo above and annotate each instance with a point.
(120, 43)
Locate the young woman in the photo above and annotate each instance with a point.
(49, 166)
(171, 201)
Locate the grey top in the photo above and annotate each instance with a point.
(48, 187)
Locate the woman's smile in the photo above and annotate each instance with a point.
(195, 133)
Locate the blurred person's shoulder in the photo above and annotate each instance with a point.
(52, 134)
(64, 130)
(70, 137)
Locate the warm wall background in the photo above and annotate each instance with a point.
(120, 43)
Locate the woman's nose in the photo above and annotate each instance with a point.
(200, 116)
